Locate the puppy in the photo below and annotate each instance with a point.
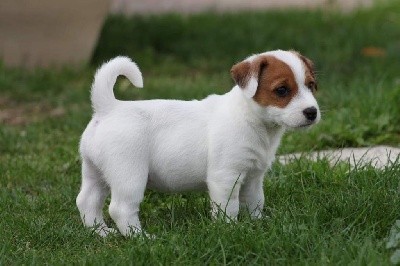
(223, 143)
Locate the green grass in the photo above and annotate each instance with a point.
(315, 214)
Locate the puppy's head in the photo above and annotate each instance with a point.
(282, 84)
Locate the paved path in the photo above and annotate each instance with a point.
(195, 6)
(379, 156)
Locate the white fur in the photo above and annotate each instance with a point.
(103, 98)
(251, 87)
(223, 143)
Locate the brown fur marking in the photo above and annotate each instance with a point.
(276, 74)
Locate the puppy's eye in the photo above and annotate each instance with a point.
(282, 91)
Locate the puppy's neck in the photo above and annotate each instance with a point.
(252, 112)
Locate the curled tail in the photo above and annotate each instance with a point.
(102, 94)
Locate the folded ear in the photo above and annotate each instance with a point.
(307, 62)
(310, 65)
(245, 74)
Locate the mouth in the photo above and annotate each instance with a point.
(299, 127)
(305, 125)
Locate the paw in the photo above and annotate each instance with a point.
(142, 235)
(105, 231)
(138, 233)
(135, 232)
(256, 215)
(148, 236)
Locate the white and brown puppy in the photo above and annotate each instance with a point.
(223, 143)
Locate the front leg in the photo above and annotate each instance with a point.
(224, 189)
(252, 195)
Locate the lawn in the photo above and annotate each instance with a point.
(314, 214)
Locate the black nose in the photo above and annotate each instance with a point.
(310, 113)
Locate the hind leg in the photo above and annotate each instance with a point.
(128, 183)
(91, 198)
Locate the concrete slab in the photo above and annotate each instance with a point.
(49, 33)
(129, 7)
(379, 156)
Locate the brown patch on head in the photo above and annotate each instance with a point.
(310, 80)
(274, 75)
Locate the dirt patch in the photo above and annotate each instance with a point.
(17, 114)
